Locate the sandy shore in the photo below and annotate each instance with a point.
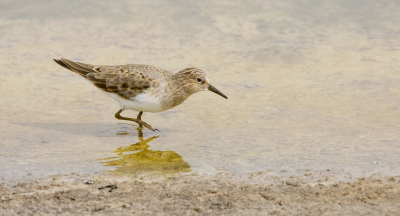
(224, 194)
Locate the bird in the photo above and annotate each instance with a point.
(143, 88)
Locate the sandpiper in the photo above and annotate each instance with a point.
(143, 88)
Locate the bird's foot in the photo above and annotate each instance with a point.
(142, 123)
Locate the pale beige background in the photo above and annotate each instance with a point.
(311, 84)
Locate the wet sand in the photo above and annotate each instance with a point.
(314, 193)
(312, 85)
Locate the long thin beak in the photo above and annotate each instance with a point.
(216, 91)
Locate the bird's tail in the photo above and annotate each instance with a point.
(77, 67)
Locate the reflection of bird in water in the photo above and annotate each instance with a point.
(155, 162)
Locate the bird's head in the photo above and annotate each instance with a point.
(194, 80)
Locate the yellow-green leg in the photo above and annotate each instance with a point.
(139, 117)
(138, 120)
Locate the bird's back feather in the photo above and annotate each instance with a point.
(127, 81)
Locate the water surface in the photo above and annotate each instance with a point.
(311, 85)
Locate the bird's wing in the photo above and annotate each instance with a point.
(125, 80)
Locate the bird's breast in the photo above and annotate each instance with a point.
(141, 102)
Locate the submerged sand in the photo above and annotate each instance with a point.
(223, 194)
(311, 85)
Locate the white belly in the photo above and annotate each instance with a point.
(141, 102)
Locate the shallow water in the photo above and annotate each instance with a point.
(311, 85)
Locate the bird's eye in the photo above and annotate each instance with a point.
(199, 80)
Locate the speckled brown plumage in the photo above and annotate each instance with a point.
(125, 80)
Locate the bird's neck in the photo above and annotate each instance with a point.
(178, 94)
